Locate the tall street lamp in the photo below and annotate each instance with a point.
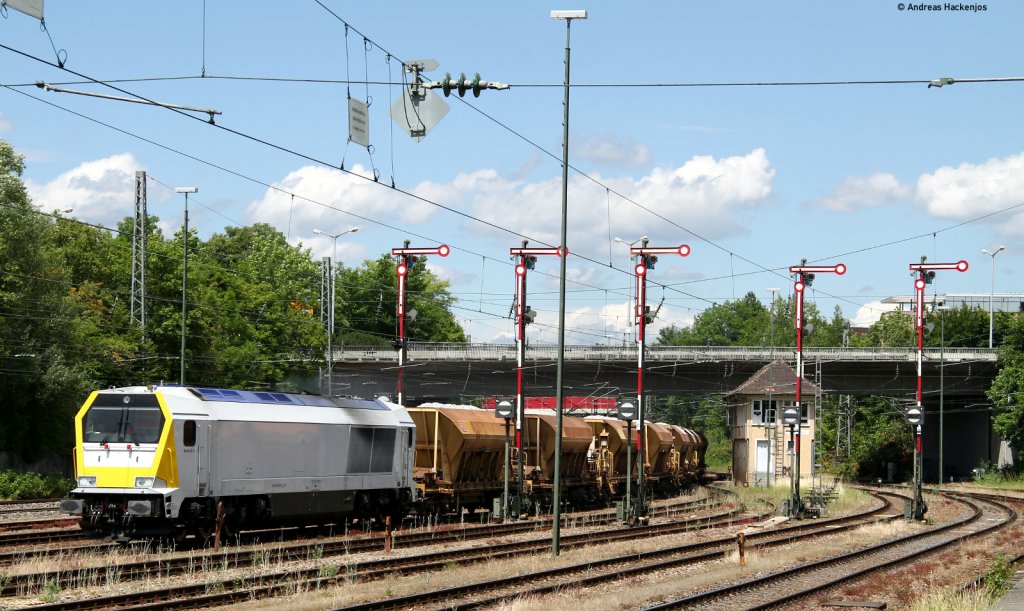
(330, 313)
(991, 295)
(568, 17)
(184, 276)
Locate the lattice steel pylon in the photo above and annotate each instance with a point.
(844, 427)
(325, 292)
(137, 310)
(818, 466)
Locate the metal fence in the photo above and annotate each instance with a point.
(428, 351)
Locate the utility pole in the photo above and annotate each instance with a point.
(793, 416)
(647, 257)
(406, 258)
(526, 259)
(925, 273)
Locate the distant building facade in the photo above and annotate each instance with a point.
(1001, 302)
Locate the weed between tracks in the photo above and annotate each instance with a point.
(627, 593)
(971, 600)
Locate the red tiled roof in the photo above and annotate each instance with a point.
(776, 378)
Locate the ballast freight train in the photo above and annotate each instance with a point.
(173, 461)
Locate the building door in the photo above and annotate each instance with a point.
(761, 463)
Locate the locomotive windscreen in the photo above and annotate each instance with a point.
(123, 419)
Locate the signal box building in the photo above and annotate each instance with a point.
(762, 447)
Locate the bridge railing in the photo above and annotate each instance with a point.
(427, 351)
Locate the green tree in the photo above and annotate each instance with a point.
(880, 436)
(1007, 390)
(747, 322)
(42, 382)
(367, 298)
(257, 299)
(959, 327)
(893, 330)
(733, 323)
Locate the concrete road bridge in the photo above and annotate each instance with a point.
(449, 371)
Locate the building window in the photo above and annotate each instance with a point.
(764, 412)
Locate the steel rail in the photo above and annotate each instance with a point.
(582, 574)
(233, 558)
(706, 598)
(199, 595)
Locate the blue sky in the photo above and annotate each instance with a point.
(751, 177)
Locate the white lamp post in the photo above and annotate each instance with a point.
(991, 295)
(568, 17)
(184, 277)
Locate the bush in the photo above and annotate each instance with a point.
(997, 580)
(1006, 477)
(14, 485)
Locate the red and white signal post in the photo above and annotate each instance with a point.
(406, 258)
(925, 273)
(648, 256)
(792, 415)
(526, 259)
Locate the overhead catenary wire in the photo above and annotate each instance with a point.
(677, 85)
(368, 42)
(420, 198)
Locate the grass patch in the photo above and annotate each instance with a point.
(969, 600)
(1003, 479)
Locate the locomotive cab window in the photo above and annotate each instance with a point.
(190, 433)
(110, 420)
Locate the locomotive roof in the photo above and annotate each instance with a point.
(229, 404)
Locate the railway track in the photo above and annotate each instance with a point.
(233, 558)
(194, 596)
(251, 537)
(4, 510)
(495, 592)
(783, 586)
(40, 536)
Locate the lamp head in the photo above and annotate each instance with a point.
(318, 232)
(566, 15)
(186, 190)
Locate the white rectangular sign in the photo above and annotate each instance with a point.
(358, 122)
(33, 8)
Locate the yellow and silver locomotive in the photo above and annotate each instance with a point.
(171, 460)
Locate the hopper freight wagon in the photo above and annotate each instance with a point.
(460, 456)
(674, 455)
(686, 464)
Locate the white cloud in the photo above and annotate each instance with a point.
(704, 194)
(101, 191)
(865, 192)
(869, 313)
(5, 125)
(970, 190)
(451, 274)
(610, 149)
(604, 324)
(334, 192)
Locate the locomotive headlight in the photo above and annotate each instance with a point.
(144, 482)
(87, 481)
